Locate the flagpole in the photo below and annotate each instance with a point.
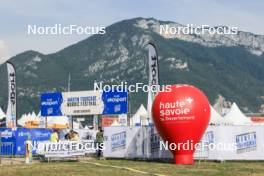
(69, 89)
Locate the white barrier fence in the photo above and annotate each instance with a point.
(65, 149)
(222, 143)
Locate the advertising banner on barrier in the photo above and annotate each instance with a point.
(218, 143)
(8, 139)
(7, 135)
(35, 135)
(64, 149)
(84, 103)
(18, 138)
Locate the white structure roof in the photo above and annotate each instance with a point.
(59, 120)
(140, 115)
(217, 119)
(236, 117)
(2, 114)
(23, 120)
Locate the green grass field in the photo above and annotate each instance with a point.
(125, 167)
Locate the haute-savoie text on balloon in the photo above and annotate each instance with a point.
(181, 117)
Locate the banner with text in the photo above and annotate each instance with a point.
(84, 103)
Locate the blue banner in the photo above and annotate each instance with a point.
(14, 141)
(115, 102)
(8, 141)
(118, 141)
(246, 142)
(35, 135)
(84, 103)
(22, 134)
(51, 104)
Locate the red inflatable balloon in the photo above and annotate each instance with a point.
(181, 117)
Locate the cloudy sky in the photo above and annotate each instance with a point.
(16, 15)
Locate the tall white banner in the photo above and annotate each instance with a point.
(153, 77)
(11, 109)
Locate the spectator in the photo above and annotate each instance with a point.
(75, 136)
(54, 136)
(99, 141)
(67, 136)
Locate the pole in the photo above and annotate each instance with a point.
(129, 108)
(71, 119)
(69, 89)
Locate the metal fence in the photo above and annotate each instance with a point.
(6, 152)
(7, 149)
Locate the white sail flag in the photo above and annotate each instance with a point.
(11, 109)
(153, 78)
(153, 67)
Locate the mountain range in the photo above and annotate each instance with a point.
(228, 68)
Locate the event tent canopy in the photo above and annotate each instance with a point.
(58, 122)
(217, 119)
(236, 117)
(2, 114)
(30, 120)
(140, 116)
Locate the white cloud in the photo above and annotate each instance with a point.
(3, 52)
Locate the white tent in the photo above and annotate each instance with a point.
(217, 119)
(33, 115)
(236, 117)
(22, 120)
(37, 119)
(58, 122)
(2, 114)
(39, 114)
(29, 120)
(140, 116)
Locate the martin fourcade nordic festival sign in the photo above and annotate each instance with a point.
(84, 103)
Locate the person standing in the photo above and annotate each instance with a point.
(54, 136)
(75, 136)
(99, 141)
